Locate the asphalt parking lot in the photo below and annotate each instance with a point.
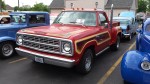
(106, 70)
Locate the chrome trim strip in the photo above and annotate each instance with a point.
(41, 43)
(126, 34)
(46, 56)
(102, 51)
(52, 38)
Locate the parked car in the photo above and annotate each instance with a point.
(140, 17)
(73, 40)
(19, 20)
(135, 65)
(53, 17)
(4, 19)
(130, 14)
(127, 26)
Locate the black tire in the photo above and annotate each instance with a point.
(126, 82)
(7, 49)
(86, 62)
(116, 45)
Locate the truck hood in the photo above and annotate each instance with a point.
(8, 26)
(56, 31)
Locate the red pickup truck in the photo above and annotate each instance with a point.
(73, 40)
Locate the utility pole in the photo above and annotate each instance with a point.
(18, 3)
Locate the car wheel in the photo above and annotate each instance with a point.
(7, 49)
(86, 62)
(116, 45)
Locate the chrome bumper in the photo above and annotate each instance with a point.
(48, 59)
(126, 35)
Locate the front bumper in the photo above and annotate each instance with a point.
(126, 35)
(48, 59)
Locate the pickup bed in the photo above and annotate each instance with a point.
(73, 40)
(19, 20)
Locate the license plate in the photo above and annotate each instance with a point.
(38, 59)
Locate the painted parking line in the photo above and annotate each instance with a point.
(18, 60)
(108, 73)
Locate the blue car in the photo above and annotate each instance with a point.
(127, 25)
(135, 65)
(19, 20)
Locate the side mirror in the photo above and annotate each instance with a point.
(139, 30)
(106, 25)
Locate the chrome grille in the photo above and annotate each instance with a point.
(44, 44)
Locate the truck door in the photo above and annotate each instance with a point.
(105, 31)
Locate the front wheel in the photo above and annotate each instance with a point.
(86, 62)
(116, 45)
(7, 49)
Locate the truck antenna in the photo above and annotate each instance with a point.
(111, 16)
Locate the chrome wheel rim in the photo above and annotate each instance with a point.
(118, 42)
(7, 50)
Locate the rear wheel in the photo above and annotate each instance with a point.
(86, 62)
(116, 45)
(7, 49)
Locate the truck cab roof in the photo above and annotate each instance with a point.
(28, 12)
(84, 10)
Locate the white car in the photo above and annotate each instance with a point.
(4, 19)
(53, 17)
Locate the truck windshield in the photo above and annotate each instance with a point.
(18, 19)
(78, 18)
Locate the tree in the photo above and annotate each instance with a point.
(142, 6)
(2, 5)
(16, 8)
(25, 8)
(148, 7)
(40, 7)
(36, 7)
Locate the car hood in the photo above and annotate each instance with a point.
(60, 31)
(8, 26)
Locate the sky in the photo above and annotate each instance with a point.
(14, 3)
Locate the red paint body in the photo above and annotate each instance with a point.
(79, 35)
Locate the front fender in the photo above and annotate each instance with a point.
(6, 38)
(131, 70)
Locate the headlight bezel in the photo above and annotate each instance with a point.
(145, 65)
(63, 50)
(19, 39)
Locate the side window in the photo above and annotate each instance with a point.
(5, 20)
(102, 19)
(34, 19)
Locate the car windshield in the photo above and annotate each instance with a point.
(18, 19)
(78, 18)
(122, 22)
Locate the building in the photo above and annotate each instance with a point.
(57, 6)
(8, 9)
(119, 5)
